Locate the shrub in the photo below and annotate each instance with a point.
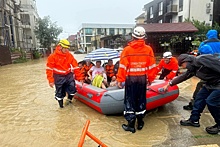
(36, 54)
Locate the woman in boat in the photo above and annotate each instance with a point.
(97, 75)
(86, 67)
(113, 81)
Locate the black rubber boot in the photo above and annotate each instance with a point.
(188, 107)
(129, 126)
(70, 98)
(60, 103)
(140, 123)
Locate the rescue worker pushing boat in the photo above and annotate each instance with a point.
(136, 69)
(169, 67)
(59, 73)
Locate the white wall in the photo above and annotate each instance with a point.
(195, 9)
(198, 10)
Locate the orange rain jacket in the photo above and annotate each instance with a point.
(137, 59)
(60, 63)
(109, 70)
(85, 70)
(172, 65)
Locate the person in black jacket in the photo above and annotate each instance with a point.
(209, 46)
(207, 68)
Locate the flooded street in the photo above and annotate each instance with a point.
(30, 116)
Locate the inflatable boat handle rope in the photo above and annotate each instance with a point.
(150, 89)
(155, 91)
(113, 97)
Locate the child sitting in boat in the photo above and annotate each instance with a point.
(113, 82)
(98, 76)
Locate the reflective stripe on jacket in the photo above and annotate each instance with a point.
(61, 63)
(137, 59)
(172, 65)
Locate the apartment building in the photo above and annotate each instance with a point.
(90, 32)
(140, 19)
(29, 17)
(9, 23)
(173, 11)
(17, 22)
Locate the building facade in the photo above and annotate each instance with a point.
(173, 11)
(29, 17)
(90, 34)
(17, 22)
(140, 19)
(9, 24)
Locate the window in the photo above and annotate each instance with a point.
(180, 5)
(151, 12)
(112, 31)
(25, 19)
(160, 21)
(160, 8)
(88, 39)
(210, 17)
(124, 32)
(88, 31)
(180, 19)
(99, 31)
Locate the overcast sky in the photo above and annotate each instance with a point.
(70, 14)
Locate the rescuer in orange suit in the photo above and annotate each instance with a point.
(59, 66)
(169, 67)
(136, 69)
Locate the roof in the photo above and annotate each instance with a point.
(97, 25)
(140, 16)
(169, 27)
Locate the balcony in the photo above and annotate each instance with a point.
(26, 25)
(171, 10)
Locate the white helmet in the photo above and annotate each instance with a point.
(167, 55)
(138, 32)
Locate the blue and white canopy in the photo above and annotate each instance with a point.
(102, 54)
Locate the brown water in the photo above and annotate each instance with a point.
(30, 116)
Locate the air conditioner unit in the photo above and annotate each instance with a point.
(207, 24)
(208, 5)
(208, 11)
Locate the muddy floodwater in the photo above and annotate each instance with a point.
(30, 116)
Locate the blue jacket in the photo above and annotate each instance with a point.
(212, 41)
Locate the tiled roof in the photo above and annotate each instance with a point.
(169, 27)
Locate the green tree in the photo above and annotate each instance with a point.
(202, 28)
(47, 32)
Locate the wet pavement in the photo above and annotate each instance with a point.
(30, 116)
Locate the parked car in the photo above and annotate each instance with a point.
(80, 51)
